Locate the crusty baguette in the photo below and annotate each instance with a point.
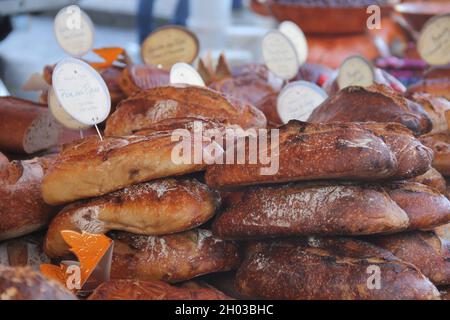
(427, 251)
(375, 103)
(26, 127)
(22, 209)
(440, 144)
(153, 208)
(187, 123)
(21, 283)
(140, 77)
(171, 258)
(90, 167)
(433, 179)
(425, 207)
(312, 152)
(308, 209)
(154, 105)
(329, 269)
(436, 107)
(152, 290)
(24, 251)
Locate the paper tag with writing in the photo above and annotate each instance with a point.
(169, 45)
(297, 37)
(81, 91)
(280, 55)
(60, 114)
(434, 41)
(183, 73)
(298, 100)
(355, 71)
(74, 31)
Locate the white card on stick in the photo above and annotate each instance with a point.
(74, 31)
(434, 41)
(298, 100)
(356, 71)
(60, 114)
(280, 55)
(183, 73)
(298, 39)
(81, 91)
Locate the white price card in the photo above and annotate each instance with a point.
(81, 91)
(434, 41)
(74, 31)
(61, 115)
(298, 39)
(280, 55)
(183, 73)
(356, 71)
(298, 100)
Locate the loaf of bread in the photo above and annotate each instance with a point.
(435, 86)
(152, 290)
(22, 209)
(426, 207)
(154, 105)
(427, 251)
(171, 258)
(440, 144)
(24, 251)
(188, 123)
(93, 167)
(433, 179)
(435, 107)
(21, 283)
(306, 151)
(153, 208)
(376, 103)
(330, 269)
(26, 127)
(268, 105)
(4, 162)
(443, 231)
(140, 77)
(308, 209)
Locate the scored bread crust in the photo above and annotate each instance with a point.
(23, 283)
(308, 209)
(376, 103)
(313, 152)
(329, 269)
(440, 144)
(153, 208)
(22, 209)
(154, 105)
(152, 290)
(171, 258)
(90, 167)
(426, 250)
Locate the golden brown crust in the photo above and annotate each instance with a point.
(268, 105)
(187, 123)
(427, 251)
(152, 290)
(435, 86)
(433, 179)
(22, 209)
(443, 231)
(436, 107)
(25, 284)
(307, 209)
(376, 103)
(153, 208)
(154, 105)
(329, 269)
(313, 152)
(90, 167)
(171, 258)
(440, 144)
(139, 77)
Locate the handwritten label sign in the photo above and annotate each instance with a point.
(169, 45)
(355, 71)
(183, 73)
(280, 55)
(81, 91)
(298, 100)
(298, 39)
(74, 31)
(434, 41)
(60, 114)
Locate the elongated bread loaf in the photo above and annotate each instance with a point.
(308, 209)
(153, 208)
(440, 144)
(154, 105)
(435, 107)
(306, 151)
(171, 258)
(330, 269)
(91, 167)
(433, 179)
(152, 290)
(425, 250)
